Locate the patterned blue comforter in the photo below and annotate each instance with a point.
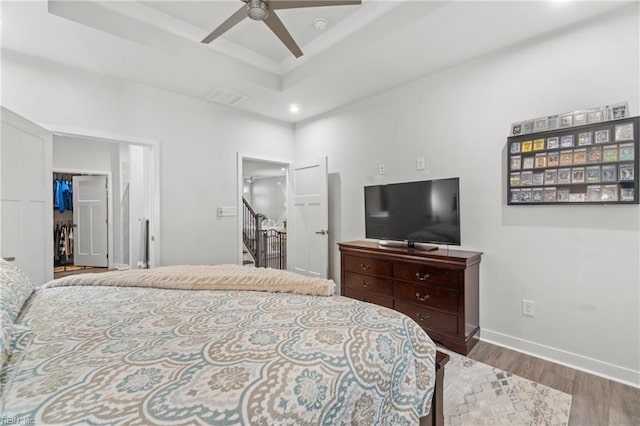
(119, 355)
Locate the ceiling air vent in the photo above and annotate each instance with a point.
(226, 97)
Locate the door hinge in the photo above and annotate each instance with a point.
(107, 255)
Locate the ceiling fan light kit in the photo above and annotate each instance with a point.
(263, 10)
(257, 10)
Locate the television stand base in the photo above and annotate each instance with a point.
(407, 244)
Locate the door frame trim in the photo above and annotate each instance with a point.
(153, 204)
(110, 221)
(287, 162)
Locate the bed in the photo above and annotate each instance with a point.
(208, 345)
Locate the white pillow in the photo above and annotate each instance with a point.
(15, 289)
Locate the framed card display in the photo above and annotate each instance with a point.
(602, 136)
(579, 118)
(590, 163)
(624, 132)
(626, 152)
(563, 195)
(618, 111)
(626, 172)
(540, 124)
(609, 173)
(594, 154)
(550, 195)
(566, 158)
(564, 176)
(593, 174)
(584, 138)
(609, 193)
(627, 194)
(527, 127)
(538, 178)
(550, 176)
(540, 161)
(566, 141)
(593, 193)
(580, 156)
(595, 115)
(538, 144)
(552, 122)
(610, 154)
(566, 120)
(516, 129)
(516, 162)
(577, 175)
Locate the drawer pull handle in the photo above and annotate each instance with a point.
(423, 299)
(365, 267)
(423, 318)
(365, 284)
(422, 278)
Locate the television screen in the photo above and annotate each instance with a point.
(417, 212)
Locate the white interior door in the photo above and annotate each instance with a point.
(308, 226)
(27, 199)
(90, 228)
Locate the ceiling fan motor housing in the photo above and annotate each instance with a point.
(257, 10)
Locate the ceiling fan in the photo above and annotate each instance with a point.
(264, 10)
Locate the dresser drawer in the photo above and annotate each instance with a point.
(368, 283)
(365, 296)
(428, 318)
(414, 272)
(426, 295)
(367, 265)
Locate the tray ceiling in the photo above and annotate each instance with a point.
(364, 50)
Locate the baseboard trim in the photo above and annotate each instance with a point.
(593, 366)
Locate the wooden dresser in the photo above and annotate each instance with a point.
(438, 289)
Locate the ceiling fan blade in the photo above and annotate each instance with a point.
(295, 4)
(278, 28)
(226, 25)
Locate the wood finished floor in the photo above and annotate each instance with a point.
(596, 401)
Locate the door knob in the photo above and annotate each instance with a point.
(322, 232)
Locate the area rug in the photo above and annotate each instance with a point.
(478, 394)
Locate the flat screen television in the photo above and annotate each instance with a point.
(414, 212)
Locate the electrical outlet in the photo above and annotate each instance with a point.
(420, 163)
(528, 307)
(382, 169)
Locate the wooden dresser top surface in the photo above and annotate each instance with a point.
(443, 254)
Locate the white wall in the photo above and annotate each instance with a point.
(198, 142)
(269, 197)
(80, 153)
(580, 264)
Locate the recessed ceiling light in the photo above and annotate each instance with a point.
(320, 23)
(294, 108)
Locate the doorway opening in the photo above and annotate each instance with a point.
(262, 208)
(119, 233)
(82, 229)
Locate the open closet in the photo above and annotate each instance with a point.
(62, 221)
(80, 225)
